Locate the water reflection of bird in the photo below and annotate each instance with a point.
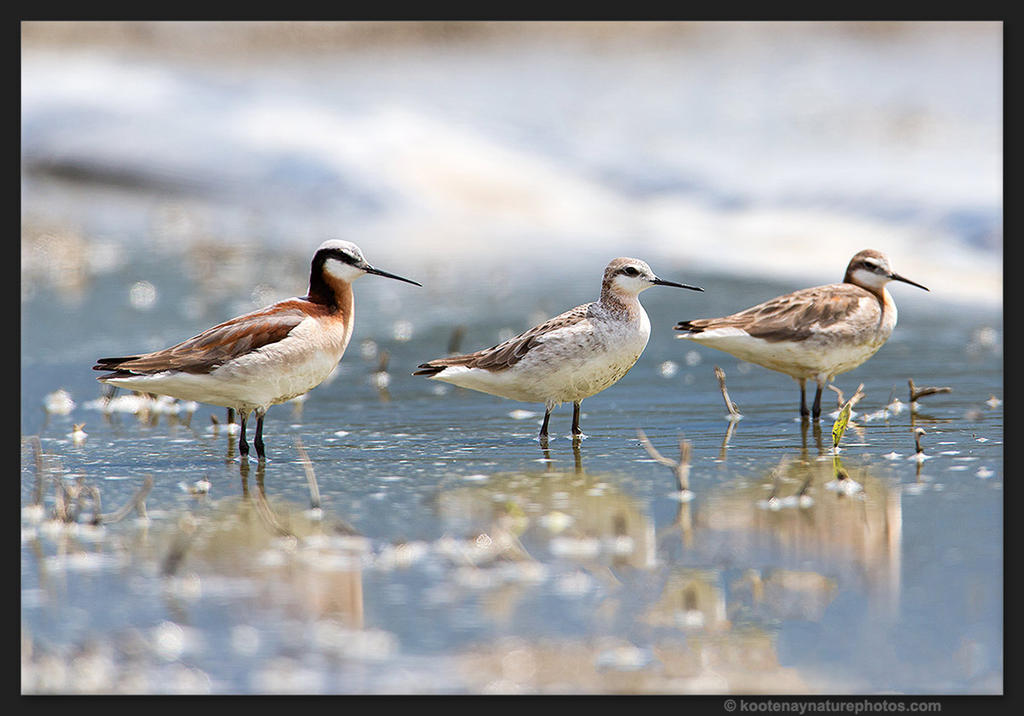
(853, 536)
(262, 358)
(321, 580)
(577, 515)
(680, 467)
(569, 357)
(814, 333)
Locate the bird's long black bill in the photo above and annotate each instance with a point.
(663, 282)
(385, 274)
(897, 277)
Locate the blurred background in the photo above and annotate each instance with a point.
(771, 150)
(176, 174)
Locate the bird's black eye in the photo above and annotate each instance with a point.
(630, 271)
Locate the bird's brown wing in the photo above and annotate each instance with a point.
(212, 347)
(506, 354)
(794, 316)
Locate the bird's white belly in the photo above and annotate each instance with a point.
(808, 359)
(270, 375)
(567, 367)
(236, 385)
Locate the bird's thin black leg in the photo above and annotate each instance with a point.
(258, 442)
(243, 445)
(816, 409)
(544, 426)
(804, 412)
(576, 432)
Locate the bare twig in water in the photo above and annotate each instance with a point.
(37, 449)
(777, 472)
(918, 393)
(839, 395)
(267, 515)
(341, 527)
(97, 509)
(728, 436)
(653, 451)
(137, 502)
(307, 465)
(854, 399)
(60, 509)
(65, 497)
(857, 395)
(140, 500)
(919, 454)
(734, 411)
(680, 468)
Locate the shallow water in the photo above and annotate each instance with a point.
(451, 552)
(475, 535)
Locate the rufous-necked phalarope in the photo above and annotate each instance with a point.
(261, 358)
(814, 333)
(569, 357)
